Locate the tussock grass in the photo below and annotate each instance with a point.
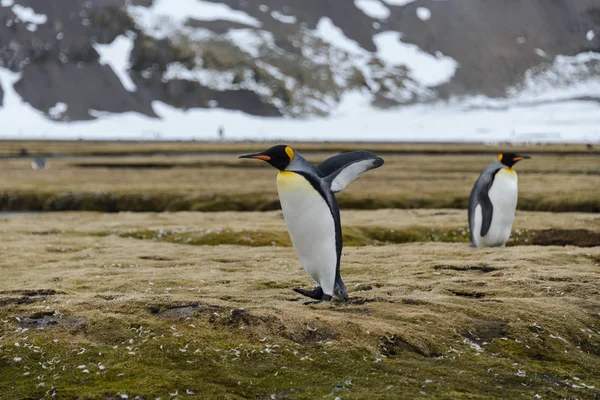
(99, 316)
(214, 237)
(557, 183)
(199, 304)
(361, 236)
(109, 202)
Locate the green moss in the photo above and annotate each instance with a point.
(352, 236)
(213, 237)
(137, 355)
(362, 236)
(560, 204)
(374, 236)
(555, 237)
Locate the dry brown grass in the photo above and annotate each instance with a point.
(272, 221)
(199, 304)
(218, 182)
(425, 320)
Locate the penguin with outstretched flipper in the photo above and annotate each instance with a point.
(311, 212)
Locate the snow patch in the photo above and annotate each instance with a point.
(286, 19)
(424, 68)
(351, 102)
(346, 57)
(373, 8)
(251, 41)
(167, 16)
(19, 117)
(6, 3)
(399, 3)
(540, 53)
(423, 13)
(216, 80)
(590, 35)
(222, 80)
(571, 121)
(58, 110)
(116, 55)
(333, 35)
(566, 78)
(27, 14)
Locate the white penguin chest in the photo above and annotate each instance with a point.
(504, 195)
(311, 227)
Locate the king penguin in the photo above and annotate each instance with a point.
(493, 202)
(311, 212)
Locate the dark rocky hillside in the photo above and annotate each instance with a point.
(199, 64)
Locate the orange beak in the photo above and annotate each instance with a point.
(519, 158)
(265, 158)
(258, 156)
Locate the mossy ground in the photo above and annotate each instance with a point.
(361, 236)
(88, 310)
(199, 304)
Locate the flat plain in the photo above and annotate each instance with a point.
(195, 301)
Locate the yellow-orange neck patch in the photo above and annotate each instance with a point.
(290, 152)
(500, 157)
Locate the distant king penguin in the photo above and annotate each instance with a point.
(493, 202)
(311, 213)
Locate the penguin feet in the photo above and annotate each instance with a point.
(316, 293)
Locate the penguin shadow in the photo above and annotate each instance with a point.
(308, 302)
(338, 305)
(354, 305)
(354, 299)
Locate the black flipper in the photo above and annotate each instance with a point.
(335, 163)
(487, 211)
(479, 196)
(360, 162)
(316, 293)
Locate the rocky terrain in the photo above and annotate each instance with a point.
(78, 60)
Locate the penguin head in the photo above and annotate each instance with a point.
(279, 156)
(510, 159)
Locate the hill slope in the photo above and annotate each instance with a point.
(82, 60)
